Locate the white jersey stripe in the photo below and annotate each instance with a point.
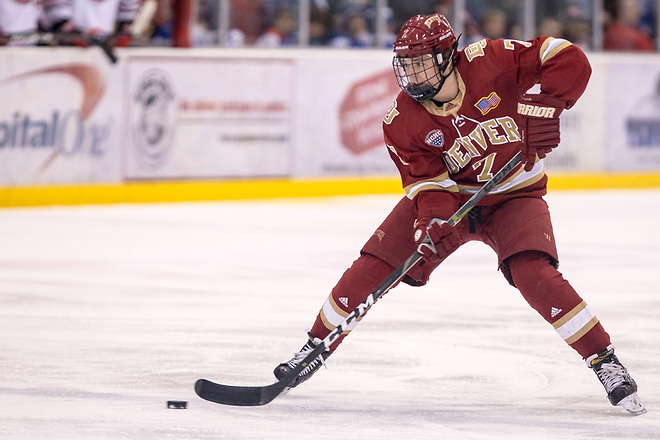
(554, 43)
(331, 317)
(519, 179)
(445, 184)
(574, 325)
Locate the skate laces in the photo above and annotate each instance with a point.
(298, 357)
(611, 375)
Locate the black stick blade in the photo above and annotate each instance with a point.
(238, 395)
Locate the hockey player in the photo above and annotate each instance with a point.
(461, 115)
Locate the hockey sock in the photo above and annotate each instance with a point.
(546, 290)
(359, 280)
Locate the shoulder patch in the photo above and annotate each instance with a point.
(435, 138)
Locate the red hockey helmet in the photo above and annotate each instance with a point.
(424, 34)
(418, 62)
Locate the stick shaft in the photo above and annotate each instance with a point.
(415, 258)
(261, 395)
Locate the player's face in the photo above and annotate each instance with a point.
(420, 77)
(421, 70)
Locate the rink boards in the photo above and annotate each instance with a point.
(218, 124)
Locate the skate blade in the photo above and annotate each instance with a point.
(633, 404)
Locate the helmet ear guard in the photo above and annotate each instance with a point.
(438, 58)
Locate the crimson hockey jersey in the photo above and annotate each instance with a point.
(459, 146)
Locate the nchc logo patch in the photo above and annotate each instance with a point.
(435, 138)
(488, 103)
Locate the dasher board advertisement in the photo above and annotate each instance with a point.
(343, 100)
(633, 129)
(208, 117)
(59, 118)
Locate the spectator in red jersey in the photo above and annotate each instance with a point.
(461, 116)
(622, 27)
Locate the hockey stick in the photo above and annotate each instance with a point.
(61, 39)
(261, 395)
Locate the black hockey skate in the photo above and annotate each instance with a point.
(620, 387)
(283, 369)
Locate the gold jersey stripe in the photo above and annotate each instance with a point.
(583, 331)
(332, 315)
(576, 323)
(569, 315)
(331, 327)
(440, 182)
(519, 180)
(551, 47)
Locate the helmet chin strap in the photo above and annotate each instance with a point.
(443, 78)
(428, 92)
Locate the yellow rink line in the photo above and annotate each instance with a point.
(177, 191)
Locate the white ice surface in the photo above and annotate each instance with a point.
(108, 312)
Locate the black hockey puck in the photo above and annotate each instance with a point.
(177, 404)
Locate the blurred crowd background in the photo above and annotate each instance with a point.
(617, 25)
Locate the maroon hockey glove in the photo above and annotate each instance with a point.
(432, 207)
(540, 126)
(444, 239)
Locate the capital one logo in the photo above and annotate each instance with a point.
(66, 130)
